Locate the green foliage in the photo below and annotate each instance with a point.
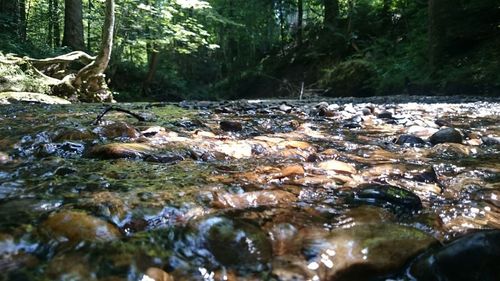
(351, 78)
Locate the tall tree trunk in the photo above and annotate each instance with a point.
(90, 80)
(89, 48)
(50, 31)
(281, 14)
(300, 17)
(56, 24)
(154, 59)
(438, 10)
(73, 25)
(331, 13)
(22, 20)
(9, 10)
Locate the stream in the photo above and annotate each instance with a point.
(381, 188)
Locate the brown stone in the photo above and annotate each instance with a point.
(76, 226)
(158, 274)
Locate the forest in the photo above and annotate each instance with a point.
(170, 50)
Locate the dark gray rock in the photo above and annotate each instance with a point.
(231, 126)
(410, 140)
(474, 257)
(446, 135)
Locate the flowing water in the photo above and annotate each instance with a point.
(344, 189)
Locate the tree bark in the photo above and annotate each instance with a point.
(50, 30)
(300, 17)
(9, 10)
(438, 10)
(331, 13)
(73, 25)
(56, 24)
(22, 20)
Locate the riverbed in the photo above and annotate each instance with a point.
(385, 188)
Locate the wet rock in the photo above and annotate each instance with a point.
(118, 130)
(120, 150)
(71, 266)
(490, 141)
(4, 158)
(65, 150)
(450, 150)
(13, 254)
(337, 166)
(76, 226)
(366, 111)
(106, 204)
(291, 171)
(285, 239)
(286, 108)
(164, 158)
(363, 252)
(231, 126)
(237, 150)
(447, 135)
(473, 257)
(74, 135)
(157, 274)
(420, 131)
(385, 115)
(410, 140)
(253, 199)
(236, 243)
(386, 196)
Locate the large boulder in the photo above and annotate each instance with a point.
(474, 257)
(363, 252)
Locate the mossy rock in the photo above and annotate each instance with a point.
(351, 78)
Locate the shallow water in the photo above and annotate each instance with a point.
(244, 190)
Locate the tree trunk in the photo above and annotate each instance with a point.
(89, 84)
(154, 59)
(9, 11)
(331, 13)
(438, 10)
(56, 24)
(50, 30)
(300, 17)
(73, 25)
(22, 20)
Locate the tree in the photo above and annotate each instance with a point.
(300, 18)
(331, 14)
(73, 25)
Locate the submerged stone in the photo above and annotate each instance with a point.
(450, 150)
(363, 252)
(386, 196)
(120, 150)
(253, 199)
(4, 158)
(76, 226)
(337, 166)
(236, 243)
(473, 257)
(157, 274)
(446, 135)
(119, 130)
